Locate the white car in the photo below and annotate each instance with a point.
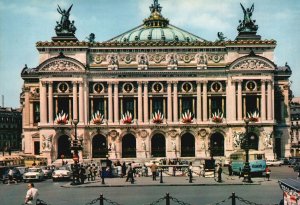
(274, 162)
(62, 173)
(33, 174)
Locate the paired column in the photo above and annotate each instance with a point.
(175, 101)
(110, 103)
(26, 111)
(240, 116)
(205, 101)
(169, 89)
(270, 106)
(140, 102)
(146, 115)
(263, 100)
(50, 102)
(116, 102)
(75, 103)
(43, 103)
(231, 100)
(81, 103)
(199, 117)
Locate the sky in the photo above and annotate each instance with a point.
(25, 22)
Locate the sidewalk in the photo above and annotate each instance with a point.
(167, 181)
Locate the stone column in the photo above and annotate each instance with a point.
(205, 101)
(50, 102)
(43, 103)
(263, 100)
(175, 101)
(146, 115)
(169, 101)
(199, 117)
(75, 103)
(110, 103)
(81, 103)
(26, 111)
(86, 102)
(240, 118)
(231, 100)
(116, 102)
(269, 100)
(140, 102)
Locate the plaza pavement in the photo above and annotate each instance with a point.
(171, 181)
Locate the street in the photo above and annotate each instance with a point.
(268, 192)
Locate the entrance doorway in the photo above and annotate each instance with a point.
(64, 147)
(99, 146)
(217, 144)
(187, 145)
(158, 145)
(129, 146)
(36, 148)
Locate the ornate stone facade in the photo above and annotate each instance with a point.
(203, 91)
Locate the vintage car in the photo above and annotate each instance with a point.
(16, 175)
(274, 162)
(62, 173)
(47, 171)
(33, 173)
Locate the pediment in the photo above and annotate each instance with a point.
(252, 63)
(61, 64)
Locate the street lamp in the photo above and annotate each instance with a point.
(247, 169)
(76, 146)
(105, 163)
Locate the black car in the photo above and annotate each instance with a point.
(17, 176)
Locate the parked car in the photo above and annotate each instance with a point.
(285, 161)
(33, 174)
(274, 162)
(293, 161)
(22, 170)
(47, 172)
(62, 173)
(17, 176)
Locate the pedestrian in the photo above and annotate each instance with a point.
(153, 168)
(82, 174)
(219, 170)
(145, 171)
(130, 174)
(240, 172)
(268, 172)
(94, 169)
(11, 175)
(123, 170)
(230, 169)
(90, 173)
(174, 170)
(31, 194)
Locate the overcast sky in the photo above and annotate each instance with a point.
(24, 22)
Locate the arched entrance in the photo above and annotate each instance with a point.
(253, 141)
(99, 146)
(64, 147)
(187, 145)
(128, 146)
(158, 145)
(217, 144)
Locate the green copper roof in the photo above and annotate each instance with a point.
(156, 28)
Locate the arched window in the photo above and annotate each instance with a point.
(99, 147)
(217, 144)
(158, 145)
(128, 146)
(64, 147)
(187, 145)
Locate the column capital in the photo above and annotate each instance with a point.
(264, 80)
(175, 82)
(169, 83)
(50, 83)
(139, 83)
(110, 83)
(80, 83)
(26, 89)
(204, 81)
(116, 83)
(44, 83)
(145, 83)
(198, 82)
(74, 83)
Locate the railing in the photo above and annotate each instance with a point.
(168, 199)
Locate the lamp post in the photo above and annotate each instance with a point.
(76, 146)
(105, 163)
(247, 169)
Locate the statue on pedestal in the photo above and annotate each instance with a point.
(65, 26)
(247, 25)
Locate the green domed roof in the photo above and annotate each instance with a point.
(156, 28)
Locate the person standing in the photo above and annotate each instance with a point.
(130, 174)
(31, 194)
(268, 172)
(82, 174)
(229, 169)
(123, 170)
(219, 170)
(153, 170)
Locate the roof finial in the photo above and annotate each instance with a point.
(155, 6)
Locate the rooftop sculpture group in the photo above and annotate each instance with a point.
(247, 25)
(65, 26)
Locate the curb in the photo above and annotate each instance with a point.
(151, 185)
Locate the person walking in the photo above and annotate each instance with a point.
(230, 169)
(31, 194)
(153, 168)
(123, 170)
(130, 174)
(82, 174)
(268, 172)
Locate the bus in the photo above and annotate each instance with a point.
(34, 160)
(257, 161)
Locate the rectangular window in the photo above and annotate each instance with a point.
(128, 105)
(98, 105)
(36, 112)
(157, 105)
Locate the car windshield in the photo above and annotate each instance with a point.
(33, 170)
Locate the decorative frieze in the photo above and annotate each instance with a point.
(61, 65)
